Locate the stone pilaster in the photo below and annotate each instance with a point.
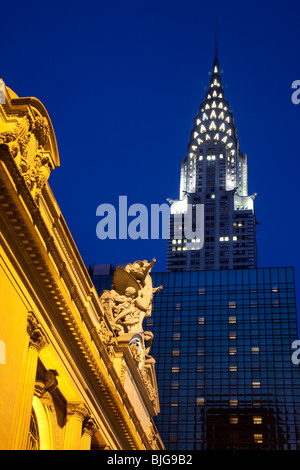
(36, 343)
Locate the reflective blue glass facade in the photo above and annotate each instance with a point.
(222, 344)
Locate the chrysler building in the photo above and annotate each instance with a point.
(214, 174)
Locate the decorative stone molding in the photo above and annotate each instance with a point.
(107, 337)
(151, 435)
(136, 353)
(39, 388)
(44, 388)
(123, 373)
(51, 382)
(149, 386)
(37, 339)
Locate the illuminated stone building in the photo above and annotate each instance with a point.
(70, 377)
(214, 173)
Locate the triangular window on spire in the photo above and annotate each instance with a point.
(229, 132)
(216, 69)
(213, 115)
(224, 139)
(217, 137)
(216, 83)
(227, 119)
(207, 137)
(221, 115)
(202, 129)
(212, 126)
(222, 127)
(215, 94)
(220, 105)
(199, 141)
(207, 106)
(195, 134)
(204, 117)
(220, 95)
(208, 97)
(198, 121)
(194, 147)
(214, 105)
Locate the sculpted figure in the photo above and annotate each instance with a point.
(130, 299)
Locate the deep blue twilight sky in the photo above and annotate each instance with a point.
(122, 82)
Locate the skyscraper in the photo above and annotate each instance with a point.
(214, 174)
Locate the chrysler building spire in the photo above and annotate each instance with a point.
(214, 173)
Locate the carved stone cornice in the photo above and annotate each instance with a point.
(37, 338)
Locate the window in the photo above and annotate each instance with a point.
(200, 352)
(175, 369)
(176, 352)
(255, 350)
(232, 320)
(176, 336)
(233, 402)
(201, 321)
(200, 401)
(255, 384)
(173, 437)
(234, 419)
(33, 442)
(232, 368)
(258, 438)
(232, 351)
(232, 304)
(257, 420)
